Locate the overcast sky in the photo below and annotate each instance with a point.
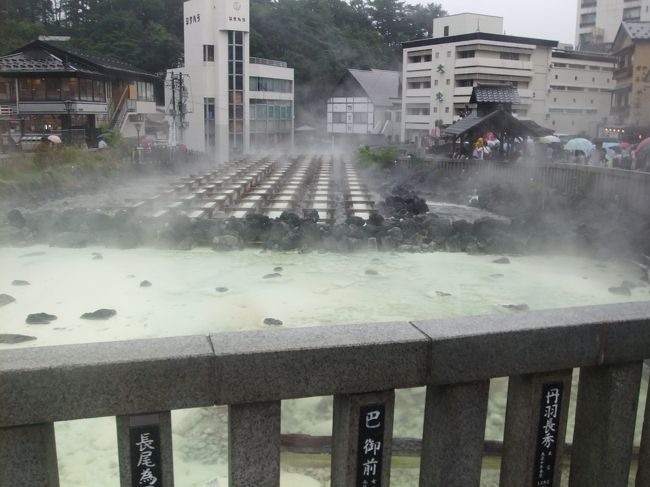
(548, 19)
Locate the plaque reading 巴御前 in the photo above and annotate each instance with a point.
(548, 435)
(371, 444)
(146, 466)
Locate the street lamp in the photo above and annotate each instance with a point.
(68, 108)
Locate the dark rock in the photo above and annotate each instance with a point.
(620, 291)
(404, 202)
(628, 284)
(226, 242)
(5, 299)
(371, 272)
(357, 221)
(462, 227)
(486, 227)
(97, 256)
(100, 314)
(39, 319)
(278, 269)
(396, 234)
(272, 276)
(375, 219)
(19, 282)
(145, 283)
(272, 322)
(372, 243)
(222, 289)
(443, 294)
(497, 276)
(311, 216)
(516, 307)
(290, 218)
(12, 338)
(16, 218)
(502, 260)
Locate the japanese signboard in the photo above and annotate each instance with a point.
(146, 465)
(548, 435)
(371, 444)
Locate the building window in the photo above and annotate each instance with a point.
(446, 31)
(86, 89)
(70, 89)
(236, 90)
(418, 111)
(145, 91)
(209, 123)
(435, 82)
(464, 83)
(446, 109)
(448, 53)
(512, 56)
(53, 88)
(360, 118)
(437, 55)
(208, 53)
(632, 13)
(447, 82)
(588, 20)
(466, 54)
(99, 91)
(270, 85)
(435, 109)
(5, 89)
(338, 117)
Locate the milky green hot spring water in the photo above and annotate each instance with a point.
(312, 289)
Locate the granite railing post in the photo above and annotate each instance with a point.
(521, 442)
(604, 427)
(28, 456)
(362, 434)
(454, 430)
(643, 473)
(254, 444)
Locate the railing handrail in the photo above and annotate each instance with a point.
(57, 383)
(268, 62)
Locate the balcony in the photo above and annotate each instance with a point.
(424, 66)
(419, 92)
(492, 63)
(268, 62)
(141, 381)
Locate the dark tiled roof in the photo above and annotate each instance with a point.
(106, 62)
(637, 30)
(495, 94)
(38, 61)
(498, 120)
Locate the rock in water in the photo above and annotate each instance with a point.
(39, 319)
(516, 307)
(443, 294)
(16, 218)
(278, 269)
(5, 299)
(496, 276)
(32, 254)
(19, 282)
(620, 291)
(272, 322)
(145, 283)
(12, 338)
(371, 272)
(222, 289)
(97, 256)
(502, 260)
(100, 314)
(272, 276)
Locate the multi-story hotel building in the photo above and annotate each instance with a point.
(598, 20)
(230, 102)
(564, 90)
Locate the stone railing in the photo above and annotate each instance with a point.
(630, 188)
(141, 381)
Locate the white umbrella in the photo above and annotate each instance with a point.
(583, 145)
(550, 139)
(55, 139)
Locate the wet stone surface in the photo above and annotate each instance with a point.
(40, 319)
(12, 338)
(100, 314)
(5, 299)
(20, 282)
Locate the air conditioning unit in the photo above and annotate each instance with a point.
(6, 110)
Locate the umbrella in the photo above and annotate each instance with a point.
(579, 144)
(643, 147)
(55, 139)
(549, 139)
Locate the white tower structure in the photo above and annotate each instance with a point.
(220, 89)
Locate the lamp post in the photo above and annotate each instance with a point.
(68, 109)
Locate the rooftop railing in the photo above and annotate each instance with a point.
(141, 381)
(268, 62)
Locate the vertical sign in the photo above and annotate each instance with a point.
(370, 448)
(548, 435)
(146, 464)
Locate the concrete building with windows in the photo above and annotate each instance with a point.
(598, 21)
(560, 89)
(365, 107)
(53, 88)
(227, 101)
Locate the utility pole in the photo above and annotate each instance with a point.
(181, 105)
(173, 110)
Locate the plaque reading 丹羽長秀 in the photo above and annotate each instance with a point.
(548, 435)
(371, 444)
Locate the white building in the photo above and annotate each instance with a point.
(598, 20)
(231, 103)
(365, 107)
(563, 90)
(467, 49)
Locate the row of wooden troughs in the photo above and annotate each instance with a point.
(267, 186)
